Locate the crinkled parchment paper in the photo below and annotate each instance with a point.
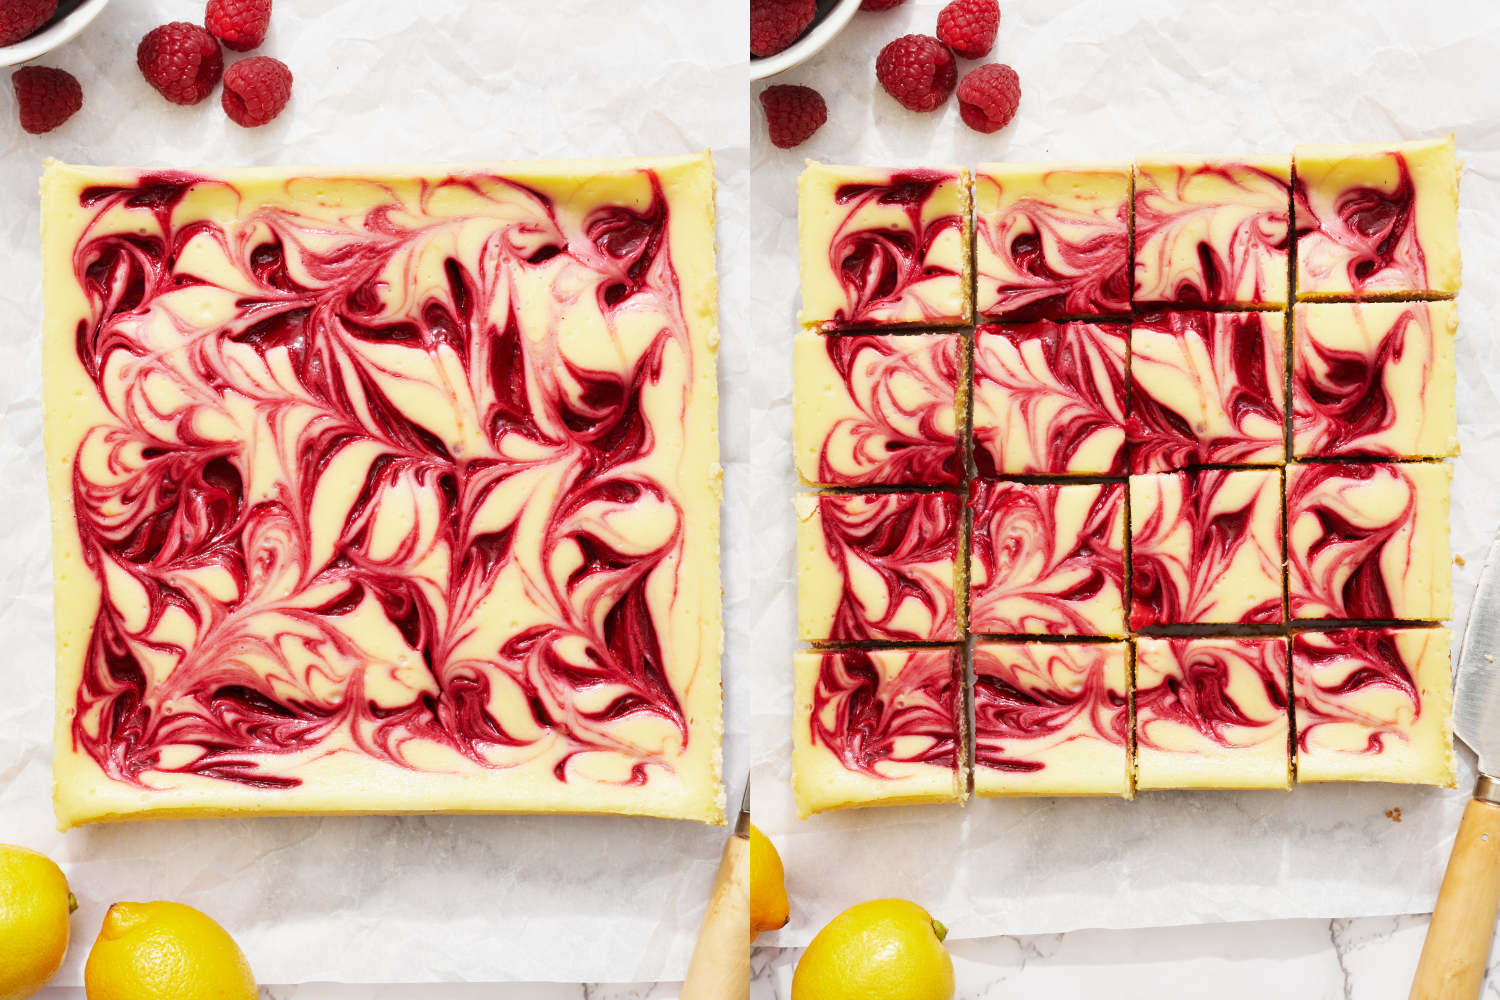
(1106, 79)
(377, 899)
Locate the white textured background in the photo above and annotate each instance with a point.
(371, 899)
(1107, 79)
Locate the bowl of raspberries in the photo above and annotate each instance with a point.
(183, 61)
(30, 28)
(784, 33)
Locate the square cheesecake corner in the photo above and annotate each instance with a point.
(1047, 559)
(878, 567)
(1211, 713)
(878, 727)
(1374, 704)
(1212, 231)
(1051, 719)
(1374, 379)
(1051, 240)
(1369, 540)
(884, 247)
(878, 410)
(1378, 220)
(362, 501)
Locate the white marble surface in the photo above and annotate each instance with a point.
(1368, 958)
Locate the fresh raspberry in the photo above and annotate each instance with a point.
(988, 97)
(46, 97)
(918, 71)
(775, 24)
(240, 24)
(968, 27)
(256, 89)
(794, 113)
(880, 4)
(19, 18)
(181, 60)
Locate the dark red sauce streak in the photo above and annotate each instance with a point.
(1364, 593)
(1010, 517)
(1161, 440)
(928, 458)
(896, 532)
(1199, 698)
(1373, 225)
(1007, 709)
(187, 506)
(877, 266)
(870, 714)
(1154, 597)
(1098, 282)
(1347, 404)
(1065, 347)
(1379, 665)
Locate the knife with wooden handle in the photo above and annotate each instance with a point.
(1463, 921)
(720, 966)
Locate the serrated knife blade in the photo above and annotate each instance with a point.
(1476, 690)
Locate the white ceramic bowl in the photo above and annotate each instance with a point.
(54, 33)
(829, 21)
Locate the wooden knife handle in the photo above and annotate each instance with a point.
(720, 967)
(1463, 922)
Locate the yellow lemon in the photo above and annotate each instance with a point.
(886, 949)
(165, 951)
(769, 907)
(34, 907)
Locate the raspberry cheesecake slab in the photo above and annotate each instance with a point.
(1050, 399)
(1374, 704)
(878, 567)
(883, 247)
(1378, 220)
(1212, 231)
(1369, 540)
(384, 489)
(877, 410)
(1051, 719)
(1374, 379)
(1205, 547)
(1211, 713)
(1051, 240)
(878, 727)
(1207, 388)
(1047, 559)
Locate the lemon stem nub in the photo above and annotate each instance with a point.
(939, 929)
(72, 903)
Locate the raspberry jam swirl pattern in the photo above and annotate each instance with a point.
(1377, 220)
(1047, 560)
(1374, 379)
(1205, 546)
(1206, 388)
(1213, 232)
(884, 247)
(1211, 713)
(877, 410)
(1368, 541)
(876, 708)
(1050, 718)
(879, 567)
(1050, 399)
(1051, 241)
(388, 470)
(1373, 704)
